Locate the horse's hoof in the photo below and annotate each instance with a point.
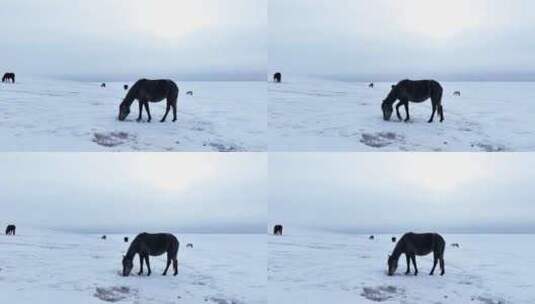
(162, 121)
(175, 274)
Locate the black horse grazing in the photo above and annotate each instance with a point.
(413, 91)
(277, 77)
(277, 230)
(146, 245)
(10, 229)
(413, 244)
(146, 91)
(9, 77)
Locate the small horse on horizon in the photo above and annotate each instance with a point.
(146, 91)
(277, 230)
(190, 93)
(277, 77)
(413, 244)
(371, 85)
(9, 77)
(456, 245)
(393, 239)
(103, 237)
(145, 245)
(125, 87)
(371, 237)
(457, 93)
(413, 91)
(189, 245)
(10, 229)
(125, 239)
(103, 85)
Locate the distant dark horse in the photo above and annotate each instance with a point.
(371, 85)
(10, 229)
(146, 245)
(103, 237)
(125, 239)
(393, 239)
(125, 87)
(146, 91)
(371, 237)
(457, 93)
(413, 244)
(103, 85)
(413, 91)
(9, 76)
(190, 93)
(277, 77)
(189, 245)
(277, 230)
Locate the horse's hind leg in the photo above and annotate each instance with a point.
(167, 266)
(175, 266)
(442, 270)
(434, 111)
(166, 112)
(174, 110)
(441, 112)
(435, 261)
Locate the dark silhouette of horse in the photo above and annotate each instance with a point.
(103, 85)
(394, 239)
(371, 85)
(125, 87)
(277, 230)
(413, 244)
(457, 93)
(146, 91)
(277, 77)
(9, 77)
(456, 245)
(189, 245)
(103, 237)
(146, 245)
(10, 229)
(413, 91)
(125, 239)
(190, 93)
(371, 237)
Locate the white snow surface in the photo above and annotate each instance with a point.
(342, 268)
(56, 115)
(307, 114)
(57, 267)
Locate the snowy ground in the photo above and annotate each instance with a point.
(54, 115)
(317, 115)
(46, 267)
(338, 268)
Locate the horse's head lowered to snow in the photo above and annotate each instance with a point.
(388, 104)
(392, 265)
(128, 264)
(124, 110)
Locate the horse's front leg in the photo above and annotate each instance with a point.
(148, 265)
(397, 110)
(408, 264)
(146, 103)
(167, 266)
(166, 112)
(435, 261)
(140, 110)
(413, 257)
(407, 111)
(140, 265)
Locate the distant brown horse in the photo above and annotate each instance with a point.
(10, 229)
(146, 91)
(277, 230)
(9, 77)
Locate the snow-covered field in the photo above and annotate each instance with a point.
(339, 268)
(56, 267)
(55, 115)
(323, 115)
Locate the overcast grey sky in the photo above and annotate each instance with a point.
(134, 192)
(391, 40)
(112, 39)
(400, 192)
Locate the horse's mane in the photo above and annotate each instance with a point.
(132, 92)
